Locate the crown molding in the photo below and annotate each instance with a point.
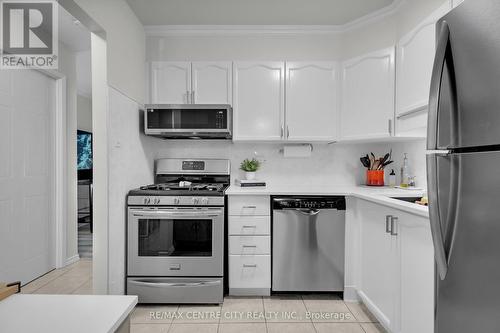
(206, 30)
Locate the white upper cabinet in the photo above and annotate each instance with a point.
(258, 100)
(367, 110)
(170, 82)
(415, 59)
(212, 82)
(311, 101)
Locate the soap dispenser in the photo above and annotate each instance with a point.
(392, 178)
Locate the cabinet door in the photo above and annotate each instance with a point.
(258, 100)
(415, 59)
(170, 82)
(416, 268)
(212, 82)
(311, 101)
(368, 96)
(378, 258)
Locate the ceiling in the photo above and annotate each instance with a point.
(71, 33)
(253, 12)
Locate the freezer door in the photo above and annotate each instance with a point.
(464, 104)
(467, 297)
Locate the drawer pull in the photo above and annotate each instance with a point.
(250, 207)
(249, 266)
(250, 226)
(249, 246)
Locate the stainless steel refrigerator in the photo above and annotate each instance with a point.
(463, 165)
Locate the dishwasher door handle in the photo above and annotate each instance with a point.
(309, 212)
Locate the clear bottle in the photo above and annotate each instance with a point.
(405, 172)
(392, 178)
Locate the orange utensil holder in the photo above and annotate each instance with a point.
(375, 177)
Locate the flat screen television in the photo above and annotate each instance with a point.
(84, 158)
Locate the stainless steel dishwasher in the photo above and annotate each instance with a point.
(308, 243)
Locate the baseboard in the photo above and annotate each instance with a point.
(384, 321)
(71, 260)
(351, 294)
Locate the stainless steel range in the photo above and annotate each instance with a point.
(175, 233)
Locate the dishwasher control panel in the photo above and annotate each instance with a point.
(300, 202)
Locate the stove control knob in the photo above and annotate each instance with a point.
(204, 201)
(177, 201)
(195, 201)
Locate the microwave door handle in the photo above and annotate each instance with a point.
(436, 80)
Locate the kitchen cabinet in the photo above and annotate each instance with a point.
(311, 101)
(170, 82)
(249, 229)
(174, 82)
(367, 110)
(415, 58)
(258, 101)
(212, 82)
(396, 270)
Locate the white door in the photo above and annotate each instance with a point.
(212, 82)
(311, 101)
(379, 282)
(259, 100)
(414, 61)
(368, 96)
(27, 108)
(170, 82)
(416, 266)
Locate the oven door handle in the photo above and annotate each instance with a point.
(158, 214)
(175, 284)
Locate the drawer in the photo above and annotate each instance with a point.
(249, 271)
(249, 225)
(244, 205)
(249, 245)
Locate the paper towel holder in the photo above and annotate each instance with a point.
(301, 145)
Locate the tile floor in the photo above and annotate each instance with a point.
(275, 314)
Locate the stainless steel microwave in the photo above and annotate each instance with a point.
(189, 121)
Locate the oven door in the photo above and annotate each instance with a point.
(175, 241)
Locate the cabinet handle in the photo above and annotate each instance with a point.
(249, 226)
(390, 126)
(192, 97)
(249, 246)
(249, 266)
(287, 132)
(250, 207)
(388, 219)
(282, 132)
(187, 97)
(394, 221)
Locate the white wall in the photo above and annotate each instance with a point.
(125, 42)
(84, 113)
(67, 65)
(131, 162)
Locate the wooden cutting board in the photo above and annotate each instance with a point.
(9, 289)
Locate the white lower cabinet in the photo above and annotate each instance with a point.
(249, 229)
(396, 270)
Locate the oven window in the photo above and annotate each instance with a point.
(175, 238)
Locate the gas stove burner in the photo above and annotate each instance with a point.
(177, 187)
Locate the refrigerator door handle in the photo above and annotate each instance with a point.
(435, 92)
(435, 220)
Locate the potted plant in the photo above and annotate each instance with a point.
(250, 167)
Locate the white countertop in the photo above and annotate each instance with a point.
(22, 313)
(381, 195)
